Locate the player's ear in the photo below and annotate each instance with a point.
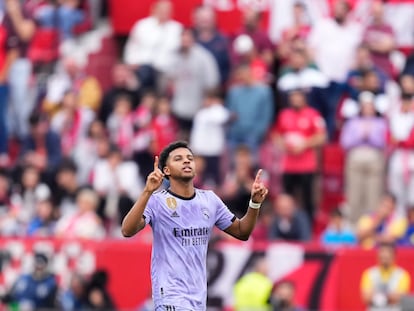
(166, 171)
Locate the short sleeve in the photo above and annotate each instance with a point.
(366, 284)
(318, 123)
(224, 217)
(278, 125)
(404, 284)
(149, 211)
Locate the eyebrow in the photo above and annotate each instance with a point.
(180, 156)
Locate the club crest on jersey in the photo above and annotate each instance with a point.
(172, 203)
(205, 213)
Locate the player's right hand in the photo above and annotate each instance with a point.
(154, 179)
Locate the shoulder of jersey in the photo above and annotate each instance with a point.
(202, 190)
(160, 192)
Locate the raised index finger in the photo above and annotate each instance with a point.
(258, 175)
(156, 160)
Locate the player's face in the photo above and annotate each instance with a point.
(180, 164)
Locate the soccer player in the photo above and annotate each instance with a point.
(182, 218)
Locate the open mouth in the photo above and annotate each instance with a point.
(187, 169)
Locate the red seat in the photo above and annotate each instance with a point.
(333, 160)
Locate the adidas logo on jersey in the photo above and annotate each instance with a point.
(175, 214)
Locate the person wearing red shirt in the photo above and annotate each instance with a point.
(381, 40)
(164, 125)
(298, 130)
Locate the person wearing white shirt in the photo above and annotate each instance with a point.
(209, 126)
(333, 42)
(195, 71)
(401, 163)
(152, 42)
(118, 183)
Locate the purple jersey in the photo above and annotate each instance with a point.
(182, 229)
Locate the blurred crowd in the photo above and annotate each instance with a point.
(74, 156)
(41, 290)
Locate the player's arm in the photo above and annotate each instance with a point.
(242, 228)
(25, 27)
(134, 221)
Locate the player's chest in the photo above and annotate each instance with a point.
(186, 213)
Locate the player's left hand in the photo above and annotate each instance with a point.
(259, 190)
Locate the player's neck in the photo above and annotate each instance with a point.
(182, 188)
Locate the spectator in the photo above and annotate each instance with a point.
(235, 189)
(37, 290)
(84, 223)
(70, 75)
(371, 90)
(289, 223)
(400, 178)
(152, 43)
(118, 184)
(85, 153)
(67, 187)
(246, 54)
(338, 232)
(363, 64)
(407, 85)
(120, 125)
(31, 190)
(194, 72)
(209, 37)
(299, 31)
(251, 26)
(200, 171)
(43, 223)
(408, 238)
(252, 106)
(299, 73)
(252, 291)
(71, 122)
(383, 285)
(124, 83)
(380, 38)
(20, 29)
(409, 65)
(41, 148)
(144, 134)
(384, 224)
(343, 35)
(261, 230)
(9, 225)
(73, 298)
(98, 297)
(364, 139)
(299, 130)
(283, 297)
(164, 125)
(209, 125)
(6, 59)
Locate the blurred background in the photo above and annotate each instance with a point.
(318, 93)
